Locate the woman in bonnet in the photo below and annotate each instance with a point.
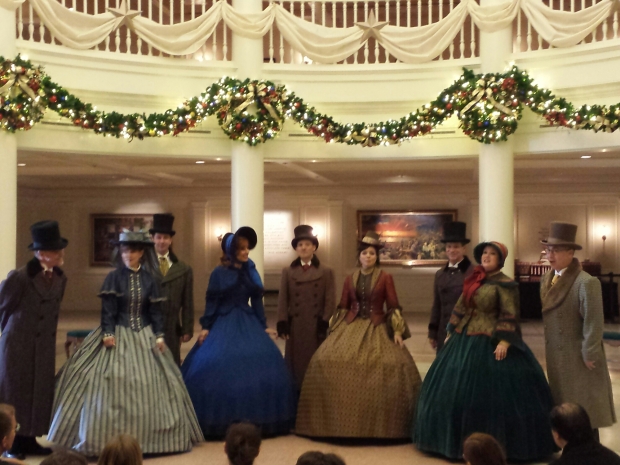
(485, 379)
(235, 372)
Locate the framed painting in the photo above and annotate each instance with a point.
(106, 229)
(412, 238)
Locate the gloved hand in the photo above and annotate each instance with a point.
(283, 329)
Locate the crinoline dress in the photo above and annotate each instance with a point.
(467, 390)
(131, 388)
(359, 383)
(238, 373)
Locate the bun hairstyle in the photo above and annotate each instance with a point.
(242, 443)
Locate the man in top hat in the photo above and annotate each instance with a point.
(176, 281)
(449, 279)
(29, 305)
(572, 308)
(306, 302)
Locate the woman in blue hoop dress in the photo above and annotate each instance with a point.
(235, 372)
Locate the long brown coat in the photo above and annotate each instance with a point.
(304, 298)
(29, 307)
(573, 319)
(178, 309)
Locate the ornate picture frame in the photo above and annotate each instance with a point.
(106, 227)
(411, 237)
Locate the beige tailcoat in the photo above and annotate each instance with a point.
(573, 320)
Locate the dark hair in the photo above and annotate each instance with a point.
(121, 450)
(242, 443)
(65, 457)
(314, 457)
(133, 246)
(6, 425)
(572, 423)
(361, 247)
(227, 260)
(483, 449)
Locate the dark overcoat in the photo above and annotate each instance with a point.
(177, 288)
(304, 298)
(448, 288)
(29, 307)
(574, 322)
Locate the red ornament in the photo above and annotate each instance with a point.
(222, 115)
(77, 122)
(449, 106)
(394, 137)
(53, 99)
(238, 126)
(121, 126)
(297, 104)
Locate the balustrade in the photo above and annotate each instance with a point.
(327, 13)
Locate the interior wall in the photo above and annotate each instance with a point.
(202, 215)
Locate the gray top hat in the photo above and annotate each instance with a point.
(133, 237)
(562, 234)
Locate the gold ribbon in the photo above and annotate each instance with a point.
(21, 77)
(259, 90)
(484, 90)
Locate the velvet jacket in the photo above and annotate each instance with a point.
(493, 312)
(383, 292)
(130, 299)
(229, 290)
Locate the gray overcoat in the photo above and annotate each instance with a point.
(573, 321)
(448, 287)
(29, 307)
(304, 298)
(177, 287)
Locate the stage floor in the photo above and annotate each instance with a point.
(286, 450)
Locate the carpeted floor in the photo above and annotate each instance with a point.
(286, 450)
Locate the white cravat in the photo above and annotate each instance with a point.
(456, 265)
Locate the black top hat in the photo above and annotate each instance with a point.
(454, 231)
(371, 239)
(162, 223)
(46, 236)
(303, 231)
(229, 241)
(133, 237)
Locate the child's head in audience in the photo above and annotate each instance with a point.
(64, 457)
(483, 449)
(314, 457)
(121, 450)
(8, 427)
(242, 443)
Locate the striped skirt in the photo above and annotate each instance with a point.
(131, 388)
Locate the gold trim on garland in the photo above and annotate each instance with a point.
(488, 107)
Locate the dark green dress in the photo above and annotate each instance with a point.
(466, 390)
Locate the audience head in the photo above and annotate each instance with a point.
(65, 457)
(483, 449)
(242, 443)
(570, 423)
(314, 457)
(121, 450)
(8, 428)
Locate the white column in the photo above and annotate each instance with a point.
(8, 160)
(247, 165)
(496, 163)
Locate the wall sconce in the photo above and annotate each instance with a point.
(317, 231)
(219, 233)
(605, 230)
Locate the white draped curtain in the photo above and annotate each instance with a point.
(319, 43)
